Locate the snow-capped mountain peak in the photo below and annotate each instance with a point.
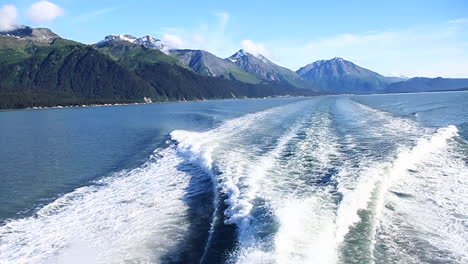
(124, 37)
(147, 41)
(239, 54)
(338, 59)
(242, 52)
(150, 42)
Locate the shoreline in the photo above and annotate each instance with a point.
(215, 99)
(145, 103)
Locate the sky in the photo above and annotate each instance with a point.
(409, 38)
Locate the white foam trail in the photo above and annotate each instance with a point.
(238, 167)
(378, 124)
(305, 213)
(409, 158)
(139, 215)
(198, 147)
(241, 200)
(381, 176)
(306, 233)
(134, 216)
(436, 208)
(306, 217)
(390, 123)
(311, 228)
(234, 158)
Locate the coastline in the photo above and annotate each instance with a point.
(145, 103)
(212, 99)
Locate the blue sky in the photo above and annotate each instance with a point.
(411, 38)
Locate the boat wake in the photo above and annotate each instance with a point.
(317, 181)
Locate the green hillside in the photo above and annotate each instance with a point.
(63, 72)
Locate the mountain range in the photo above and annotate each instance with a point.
(39, 68)
(208, 64)
(421, 84)
(267, 70)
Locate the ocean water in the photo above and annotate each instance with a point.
(329, 179)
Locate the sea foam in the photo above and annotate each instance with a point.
(134, 216)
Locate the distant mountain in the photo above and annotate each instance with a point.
(38, 68)
(41, 35)
(174, 80)
(394, 79)
(420, 84)
(208, 64)
(128, 51)
(266, 70)
(63, 72)
(146, 41)
(341, 76)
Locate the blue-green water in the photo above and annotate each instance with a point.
(46, 153)
(332, 179)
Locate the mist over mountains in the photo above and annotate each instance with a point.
(39, 68)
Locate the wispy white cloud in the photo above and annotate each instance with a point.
(8, 16)
(44, 11)
(211, 35)
(463, 20)
(440, 50)
(430, 50)
(93, 14)
(223, 20)
(199, 40)
(173, 41)
(255, 48)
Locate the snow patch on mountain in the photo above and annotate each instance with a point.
(150, 42)
(236, 56)
(242, 52)
(147, 41)
(124, 37)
